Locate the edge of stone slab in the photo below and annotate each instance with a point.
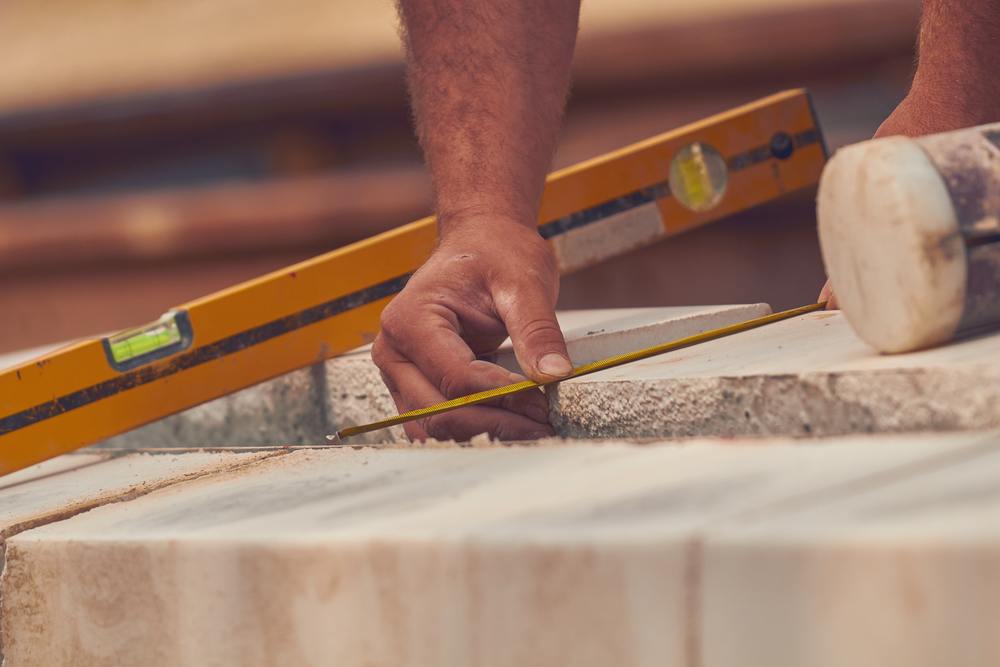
(810, 404)
(483, 441)
(75, 507)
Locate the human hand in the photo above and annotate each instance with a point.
(483, 282)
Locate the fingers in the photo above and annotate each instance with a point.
(519, 417)
(467, 298)
(538, 341)
(465, 423)
(430, 353)
(826, 294)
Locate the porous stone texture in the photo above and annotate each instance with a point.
(580, 554)
(358, 395)
(810, 375)
(290, 410)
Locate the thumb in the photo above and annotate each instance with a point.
(538, 341)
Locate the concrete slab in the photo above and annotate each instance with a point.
(807, 376)
(904, 573)
(595, 335)
(358, 396)
(561, 555)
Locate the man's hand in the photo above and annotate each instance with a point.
(957, 82)
(493, 279)
(488, 81)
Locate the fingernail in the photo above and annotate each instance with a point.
(555, 365)
(537, 413)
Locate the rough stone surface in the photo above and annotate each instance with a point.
(571, 555)
(290, 410)
(807, 376)
(358, 396)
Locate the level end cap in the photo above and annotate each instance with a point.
(891, 244)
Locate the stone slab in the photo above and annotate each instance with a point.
(290, 410)
(553, 555)
(76, 483)
(595, 335)
(810, 375)
(903, 573)
(358, 396)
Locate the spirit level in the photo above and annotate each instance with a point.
(94, 389)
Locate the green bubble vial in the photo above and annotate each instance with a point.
(145, 339)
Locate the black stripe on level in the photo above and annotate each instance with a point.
(200, 355)
(780, 147)
(601, 211)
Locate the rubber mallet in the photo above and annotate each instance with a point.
(910, 233)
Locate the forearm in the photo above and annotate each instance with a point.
(958, 63)
(488, 82)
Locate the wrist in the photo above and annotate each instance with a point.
(469, 224)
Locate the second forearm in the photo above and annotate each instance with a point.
(488, 82)
(959, 58)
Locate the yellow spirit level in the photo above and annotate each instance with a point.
(94, 389)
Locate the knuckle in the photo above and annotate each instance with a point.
(441, 427)
(541, 331)
(391, 320)
(453, 383)
(380, 356)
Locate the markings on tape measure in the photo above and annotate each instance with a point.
(586, 369)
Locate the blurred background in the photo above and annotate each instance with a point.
(154, 151)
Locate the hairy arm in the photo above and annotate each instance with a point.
(488, 82)
(957, 80)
